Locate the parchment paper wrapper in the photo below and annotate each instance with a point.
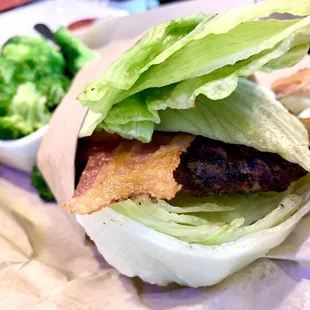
(263, 285)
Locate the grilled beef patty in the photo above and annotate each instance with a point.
(211, 167)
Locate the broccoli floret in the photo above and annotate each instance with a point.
(7, 70)
(38, 182)
(7, 85)
(4, 105)
(12, 72)
(24, 73)
(76, 53)
(27, 113)
(13, 127)
(7, 92)
(22, 40)
(5, 100)
(32, 84)
(30, 105)
(54, 87)
(35, 53)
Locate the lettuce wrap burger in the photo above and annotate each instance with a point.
(188, 171)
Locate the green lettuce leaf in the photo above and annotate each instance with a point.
(224, 48)
(291, 58)
(217, 51)
(141, 130)
(250, 116)
(136, 249)
(230, 217)
(178, 77)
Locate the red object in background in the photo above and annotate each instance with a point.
(10, 4)
(80, 24)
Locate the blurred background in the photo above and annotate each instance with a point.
(65, 12)
(23, 14)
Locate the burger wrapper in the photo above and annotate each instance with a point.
(281, 282)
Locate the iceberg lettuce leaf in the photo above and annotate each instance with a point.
(250, 116)
(251, 214)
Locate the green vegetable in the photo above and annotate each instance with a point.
(13, 127)
(7, 85)
(76, 53)
(26, 108)
(195, 242)
(38, 182)
(53, 87)
(34, 53)
(26, 73)
(32, 84)
(27, 113)
(25, 40)
(249, 116)
(4, 104)
(22, 108)
(162, 70)
(30, 104)
(7, 93)
(245, 214)
(7, 70)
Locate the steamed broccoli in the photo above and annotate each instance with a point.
(7, 93)
(4, 104)
(30, 104)
(33, 81)
(25, 73)
(7, 70)
(54, 87)
(13, 72)
(13, 127)
(27, 113)
(38, 182)
(35, 53)
(22, 40)
(7, 85)
(76, 53)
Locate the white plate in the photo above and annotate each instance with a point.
(22, 153)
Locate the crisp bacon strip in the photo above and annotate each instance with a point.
(292, 84)
(131, 168)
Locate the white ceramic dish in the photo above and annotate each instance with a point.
(22, 153)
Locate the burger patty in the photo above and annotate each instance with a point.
(212, 167)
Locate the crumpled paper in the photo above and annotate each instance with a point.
(45, 264)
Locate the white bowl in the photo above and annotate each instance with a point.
(22, 153)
